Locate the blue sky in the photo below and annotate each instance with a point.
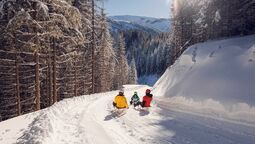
(151, 8)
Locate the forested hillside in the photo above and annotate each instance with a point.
(146, 45)
(55, 49)
(201, 20)
(150, 51)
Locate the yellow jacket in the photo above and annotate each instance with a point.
(121, 102)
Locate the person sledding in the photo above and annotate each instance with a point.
(135, 100)
(147, 99)
(120, 102)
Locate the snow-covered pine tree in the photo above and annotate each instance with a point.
(176, 29)
(28, 28)
(242, 17)
(105, 57)
(132, 76)
(91, 29)
(200, 20)
(84, 7)
(141, 45)
(183, 25)
(66, 51)
(121, 67)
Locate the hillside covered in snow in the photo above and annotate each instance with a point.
(214, 78)
(117, 25)
(149, 24)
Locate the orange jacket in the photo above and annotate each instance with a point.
(121, 102)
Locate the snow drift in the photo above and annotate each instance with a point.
(213, 77)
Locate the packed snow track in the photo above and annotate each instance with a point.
(88, 120)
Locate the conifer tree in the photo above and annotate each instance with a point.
(132, 73)
(121, 67)
(105, 56)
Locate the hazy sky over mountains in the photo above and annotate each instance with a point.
(150, 8)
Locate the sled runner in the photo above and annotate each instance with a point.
(119, 112)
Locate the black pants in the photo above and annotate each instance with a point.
(120, 107)
(137, 104)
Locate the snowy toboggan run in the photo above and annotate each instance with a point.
(88, 119)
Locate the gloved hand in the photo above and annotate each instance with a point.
(143, 103)
(131, 102)
(114, 104)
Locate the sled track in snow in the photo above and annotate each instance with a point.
(88, 119)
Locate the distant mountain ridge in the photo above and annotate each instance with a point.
(116, 26)
(127, 22)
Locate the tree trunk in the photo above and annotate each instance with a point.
(75, 77)
(93, 46)
(50, 78)
(37, 81)
(17, 85)
(55, 99)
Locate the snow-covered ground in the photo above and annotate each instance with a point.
(214, 79)
(87, 120)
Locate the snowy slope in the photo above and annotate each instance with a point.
(214, 78)
(117, 25)
(87, 120)
(157, 24)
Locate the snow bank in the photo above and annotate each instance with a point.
(43, 127)
(216, 78)
(240, 113)
(13, 128)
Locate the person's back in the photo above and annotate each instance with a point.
(135, 100)
(120, 101)
(147, 99)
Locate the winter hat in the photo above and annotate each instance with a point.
(148, 91)
(121, 91)
(135, 92)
